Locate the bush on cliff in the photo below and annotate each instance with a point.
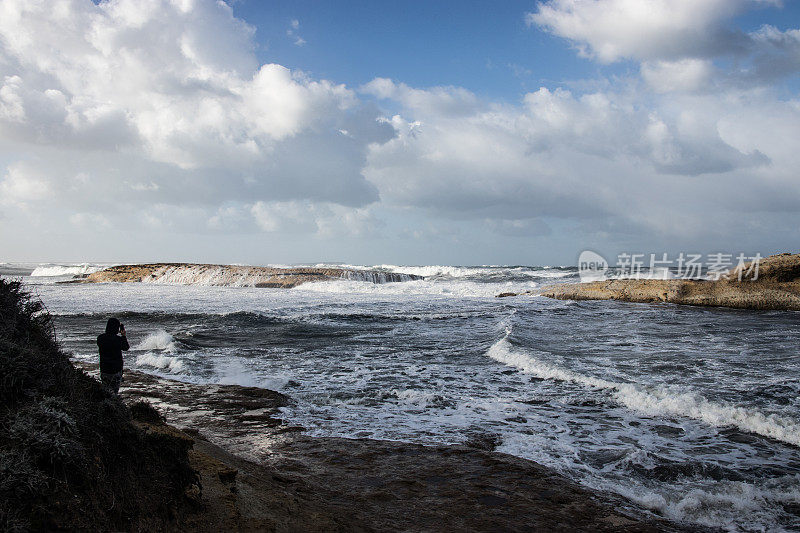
(70, 455)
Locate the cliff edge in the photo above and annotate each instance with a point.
(71, 454)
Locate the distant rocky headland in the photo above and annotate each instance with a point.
(235, 275)
(776, 286)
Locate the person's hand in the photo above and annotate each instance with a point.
(122, 330)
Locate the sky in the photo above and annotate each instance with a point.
(397, 132)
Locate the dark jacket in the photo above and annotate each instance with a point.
(111, 347)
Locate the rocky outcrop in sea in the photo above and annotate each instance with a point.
(775, 284)
(235, 275)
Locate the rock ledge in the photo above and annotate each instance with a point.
(777, 286)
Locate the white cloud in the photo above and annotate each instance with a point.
(682, 75)
(644, 29)
(626, 156)
(162, 108)
(171, 95)
(322, 219)
(294, 25)
(22, 185)
(437, 100)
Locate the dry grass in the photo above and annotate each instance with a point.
(70, 456)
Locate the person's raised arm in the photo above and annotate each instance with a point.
(124, 340)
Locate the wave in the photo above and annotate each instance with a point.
(755, 505)
(160, 340)
(490, 272)
(458, 289)
(162, 362)
(234, 372)
(656, 400)
(51, 270)
(377, 277)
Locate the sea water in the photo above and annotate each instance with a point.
(692, 413)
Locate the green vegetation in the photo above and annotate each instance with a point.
(72, 455)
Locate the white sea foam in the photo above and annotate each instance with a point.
(162, 362)
(51, 270)
(159, 340)
(655, 400)
(440, 272)
(419, 398)
(243, 276)
(734, 504)
(205, 275)
(234, 372)
(460, 289)
(444, 271)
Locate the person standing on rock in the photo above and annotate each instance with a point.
(111, 347)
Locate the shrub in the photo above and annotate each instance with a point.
(70, 456)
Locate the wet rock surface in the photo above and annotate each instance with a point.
(258, 473)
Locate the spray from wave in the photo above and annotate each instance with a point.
(161, 362)
(159, 340)
(52, 270)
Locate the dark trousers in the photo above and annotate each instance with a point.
(111, 381)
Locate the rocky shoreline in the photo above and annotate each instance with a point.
(258, 473)
(234, 275)
(776, 287)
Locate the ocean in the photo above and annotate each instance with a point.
(692, 413)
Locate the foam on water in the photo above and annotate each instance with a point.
(158, 340)
(460, 289)
(445, 272)
(654, 400)
(733, 505)
(161, 362)
(454, 272)
(235, 372)
(52, 270)
(667, 405)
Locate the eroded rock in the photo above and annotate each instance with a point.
(777, 286)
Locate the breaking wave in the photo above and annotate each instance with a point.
(655, 400)
(50, 270)
(459, 289)
(377, 277)
(489, 273)
(239, 276)
(160, 340)
(162, 362)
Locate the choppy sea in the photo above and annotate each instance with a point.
(692, 413)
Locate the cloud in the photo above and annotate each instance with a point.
(610, 30)
(294, 25)
(683, 75)
(324, 220)
(605, 159)
(156, 117)
(519, 228)
(22, 185)
(165, 102)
